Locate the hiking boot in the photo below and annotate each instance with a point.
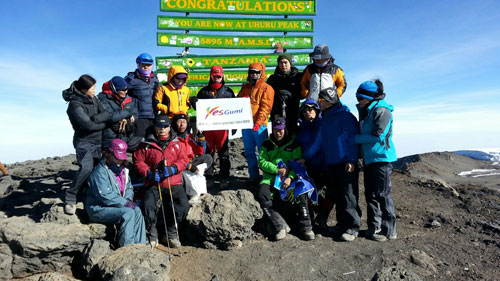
(174, 243)
(308, 235)
(393, 237)
(370, 231)
(70, 209)
(153, 244)
(378, 237)
(280, 235)
(347, 237)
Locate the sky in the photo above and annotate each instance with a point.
(439, 61)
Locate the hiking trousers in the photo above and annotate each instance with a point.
(87, 155)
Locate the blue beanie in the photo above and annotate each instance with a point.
(117, 83)
(367, 90)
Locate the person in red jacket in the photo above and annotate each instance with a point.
(160, 159)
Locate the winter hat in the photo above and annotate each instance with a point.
(144, 58)
(279, 123)
(117, 83)
(180, 115)
(162, 121)
(370, 90)
(119, 149)
(330, 95)
(320, 52)
(285, 56)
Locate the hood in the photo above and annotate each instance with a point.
(339, 107)
(381, 103)
(262, 68)
(174, 70)
(72, 93)
(106, 89)
(318, 111)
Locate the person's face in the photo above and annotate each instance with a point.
(323, 104)
(321, 61)
(178, 81)
(279, 134)
(363, 103)
(122, 93)
(116, 160)
(90, 92)
(284, 65)
(309, 114)
(182, 125)
(254, 74)
(216, 78)
(162, 131)
(146, 67)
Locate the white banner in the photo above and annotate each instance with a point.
(223, 114)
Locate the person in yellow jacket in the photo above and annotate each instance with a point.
(322, 74)
(261, 97)
(173, 96)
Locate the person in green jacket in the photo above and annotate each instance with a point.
(281, 148)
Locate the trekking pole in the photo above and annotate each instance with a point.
(164, 222)
(173, 209)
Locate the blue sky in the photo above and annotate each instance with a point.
(439, 61)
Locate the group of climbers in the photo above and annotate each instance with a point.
(319, 137)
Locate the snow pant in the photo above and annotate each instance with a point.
(152, 210)
(143, 126)
(252, 141)
(219, 140)
(343, 190)
(380, 208)
(87, 155)
(275, 209)
(131, 221)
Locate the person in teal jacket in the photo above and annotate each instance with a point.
(376, 119)
(110, 195)
(281, 147)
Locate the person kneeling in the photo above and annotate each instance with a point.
(110, 194)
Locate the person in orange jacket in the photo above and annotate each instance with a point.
(173, 96)
(3, 170)
(261, 97)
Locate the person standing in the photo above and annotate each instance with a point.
(142, 84)
(261, 97)
(110, 196)
(173, 96)
(88, 118)
(160, 160)
(286, 84)
(376, 120)
(218, 139)
(322, 74)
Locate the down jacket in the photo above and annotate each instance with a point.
(170, 100)
(141, 89)
(273, 152)
(315, 79)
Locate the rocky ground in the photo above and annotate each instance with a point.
(448, 229)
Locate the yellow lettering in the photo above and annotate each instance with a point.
(171, 4)
(193, 4)
(257, 6)
(267, 6)
(281, 6)
(181, 4)
(211, 5)
(228, 42)
(301, 7)
(221, 5)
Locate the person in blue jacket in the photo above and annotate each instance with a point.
(336, 142)
(376, 119)
(110, 195)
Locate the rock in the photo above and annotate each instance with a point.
(433, 224)
(225, 217)
(135, 262)
(232, 244)
(92, 254)
(98, 230)
(396, 273)
(42, 247)
(5, 262)
(423, 260)
(53, 276)
(56, 215)
(7, 185)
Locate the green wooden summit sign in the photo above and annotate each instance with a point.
(233, 42)
(230, 76)
(248, 7)
(235, 24)
(228, 61)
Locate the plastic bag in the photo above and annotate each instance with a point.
(198, 181)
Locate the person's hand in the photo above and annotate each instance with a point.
(256, 127)
(282, 171)
(286, 183)
(349, 167)
(132, 120)
(157, 177)
(130, 204)
(168, 171)
(153, 176)
(123, 123)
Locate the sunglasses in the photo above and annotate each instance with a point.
(217, 76)
(254, 72)
(124, 89)
(162, 126)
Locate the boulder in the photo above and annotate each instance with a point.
(52, 276)
(42, 247)
(135, 262)
(92, 254)
(228, 216)
(5, 262)
(7, 185)
(423, 260)
(396, 273)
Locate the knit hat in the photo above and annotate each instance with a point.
(180, 115)
(279, 123)
(117, 83)
(162, 121)
(320, 52)
(330, 95)
(285, 56)
(370, 90)
(119, 149)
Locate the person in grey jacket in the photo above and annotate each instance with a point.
(110, 195)
(88, 118)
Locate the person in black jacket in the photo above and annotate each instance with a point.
(218, 139)
(123, 113)
(286, 84)
(88, 118)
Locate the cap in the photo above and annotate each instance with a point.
(320, 52)
(216, 69)
(119, 149)
(279, 123)
(181, 76)
(117, 83)
(330, 95)
(162, 121)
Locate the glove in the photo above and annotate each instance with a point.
(169, 171)
(153, 176)
(130, 204)
(233, 132)
(192, 102)
(256, 127)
